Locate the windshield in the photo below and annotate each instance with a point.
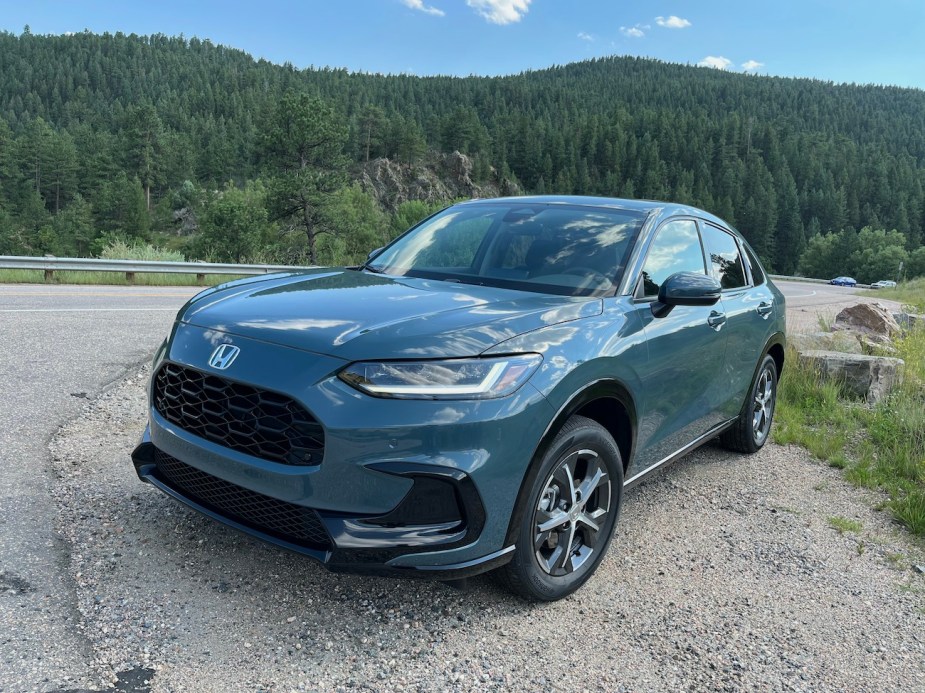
(547, 248)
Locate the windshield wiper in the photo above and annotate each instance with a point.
(371, 268)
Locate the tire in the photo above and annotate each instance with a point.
(753, 427)
(578, 485)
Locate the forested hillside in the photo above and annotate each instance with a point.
(202, 148)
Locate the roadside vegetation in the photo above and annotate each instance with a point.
(120, 250)
(879, 447)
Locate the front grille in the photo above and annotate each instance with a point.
(264, 424)
(271, 516)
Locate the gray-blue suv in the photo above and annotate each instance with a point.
(477, 395)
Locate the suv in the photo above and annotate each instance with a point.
(477, 396)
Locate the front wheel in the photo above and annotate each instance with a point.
(567, 518)
(751, 430)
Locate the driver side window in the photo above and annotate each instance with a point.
(676, 248)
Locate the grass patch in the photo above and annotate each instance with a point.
(880, 447)
(843, 524)
(112, 278)
(911, 293)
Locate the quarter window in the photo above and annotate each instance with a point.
(676, 248)
(754, 266)
(725, 260)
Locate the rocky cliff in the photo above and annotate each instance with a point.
(441, 177)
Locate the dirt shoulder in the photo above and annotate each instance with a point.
(725, 574)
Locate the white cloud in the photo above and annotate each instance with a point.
(672, 22)
(632, 31)
(421, 7)
(501, 11)
(719, 62)
(585, 37)
(750, 65)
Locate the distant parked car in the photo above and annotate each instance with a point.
(843, 281)
(883, 284)
(477, 395)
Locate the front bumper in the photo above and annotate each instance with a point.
(443, 510)
(401, 486)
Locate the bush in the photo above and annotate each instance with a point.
(118, 249)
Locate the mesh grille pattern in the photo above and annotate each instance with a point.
(256, 422)
(269, 515)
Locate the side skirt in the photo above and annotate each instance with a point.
(675, 456)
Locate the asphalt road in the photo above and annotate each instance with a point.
(58, 346)
(807, 303)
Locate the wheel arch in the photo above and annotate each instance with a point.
(775, 349)
(609, 403)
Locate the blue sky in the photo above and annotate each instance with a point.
(863, 41)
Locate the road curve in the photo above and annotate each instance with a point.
(807, 303)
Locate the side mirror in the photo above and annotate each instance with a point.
(373, 253)
(686, 289)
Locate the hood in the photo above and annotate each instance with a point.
(360, 316)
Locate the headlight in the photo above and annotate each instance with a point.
(455, 379)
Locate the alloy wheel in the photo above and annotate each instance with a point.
(571, 513)
(763, 406)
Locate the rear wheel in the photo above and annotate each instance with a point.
(568, 516)
(751, 430)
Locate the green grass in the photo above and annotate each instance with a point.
(911, 293)
(112, 278)
(843, 524)
(881, 447)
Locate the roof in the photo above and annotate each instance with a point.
(663, 209)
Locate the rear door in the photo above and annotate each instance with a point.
(681, 379)
(748, 305)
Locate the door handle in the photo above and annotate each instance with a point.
(764, 309)
(716, 320)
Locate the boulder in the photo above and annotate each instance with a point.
(868, 318)
(909, 321)
(877, 346)
(870, 377)
(846, 342)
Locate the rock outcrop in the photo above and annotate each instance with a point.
(440, 178)
(857, 350)
(870, 377)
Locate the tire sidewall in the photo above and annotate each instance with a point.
(767, 364)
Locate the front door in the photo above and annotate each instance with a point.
(683, 392)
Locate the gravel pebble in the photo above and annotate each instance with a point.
(724, 575)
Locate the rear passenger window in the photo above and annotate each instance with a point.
(725, 260)
(676, 248)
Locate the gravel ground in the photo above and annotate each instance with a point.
(724, 575)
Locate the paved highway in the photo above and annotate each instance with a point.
(58, 346)
(806, 303)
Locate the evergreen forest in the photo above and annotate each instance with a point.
(114, 140)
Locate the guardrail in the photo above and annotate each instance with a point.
(50, 265)
(785, 278)
(782, 277)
